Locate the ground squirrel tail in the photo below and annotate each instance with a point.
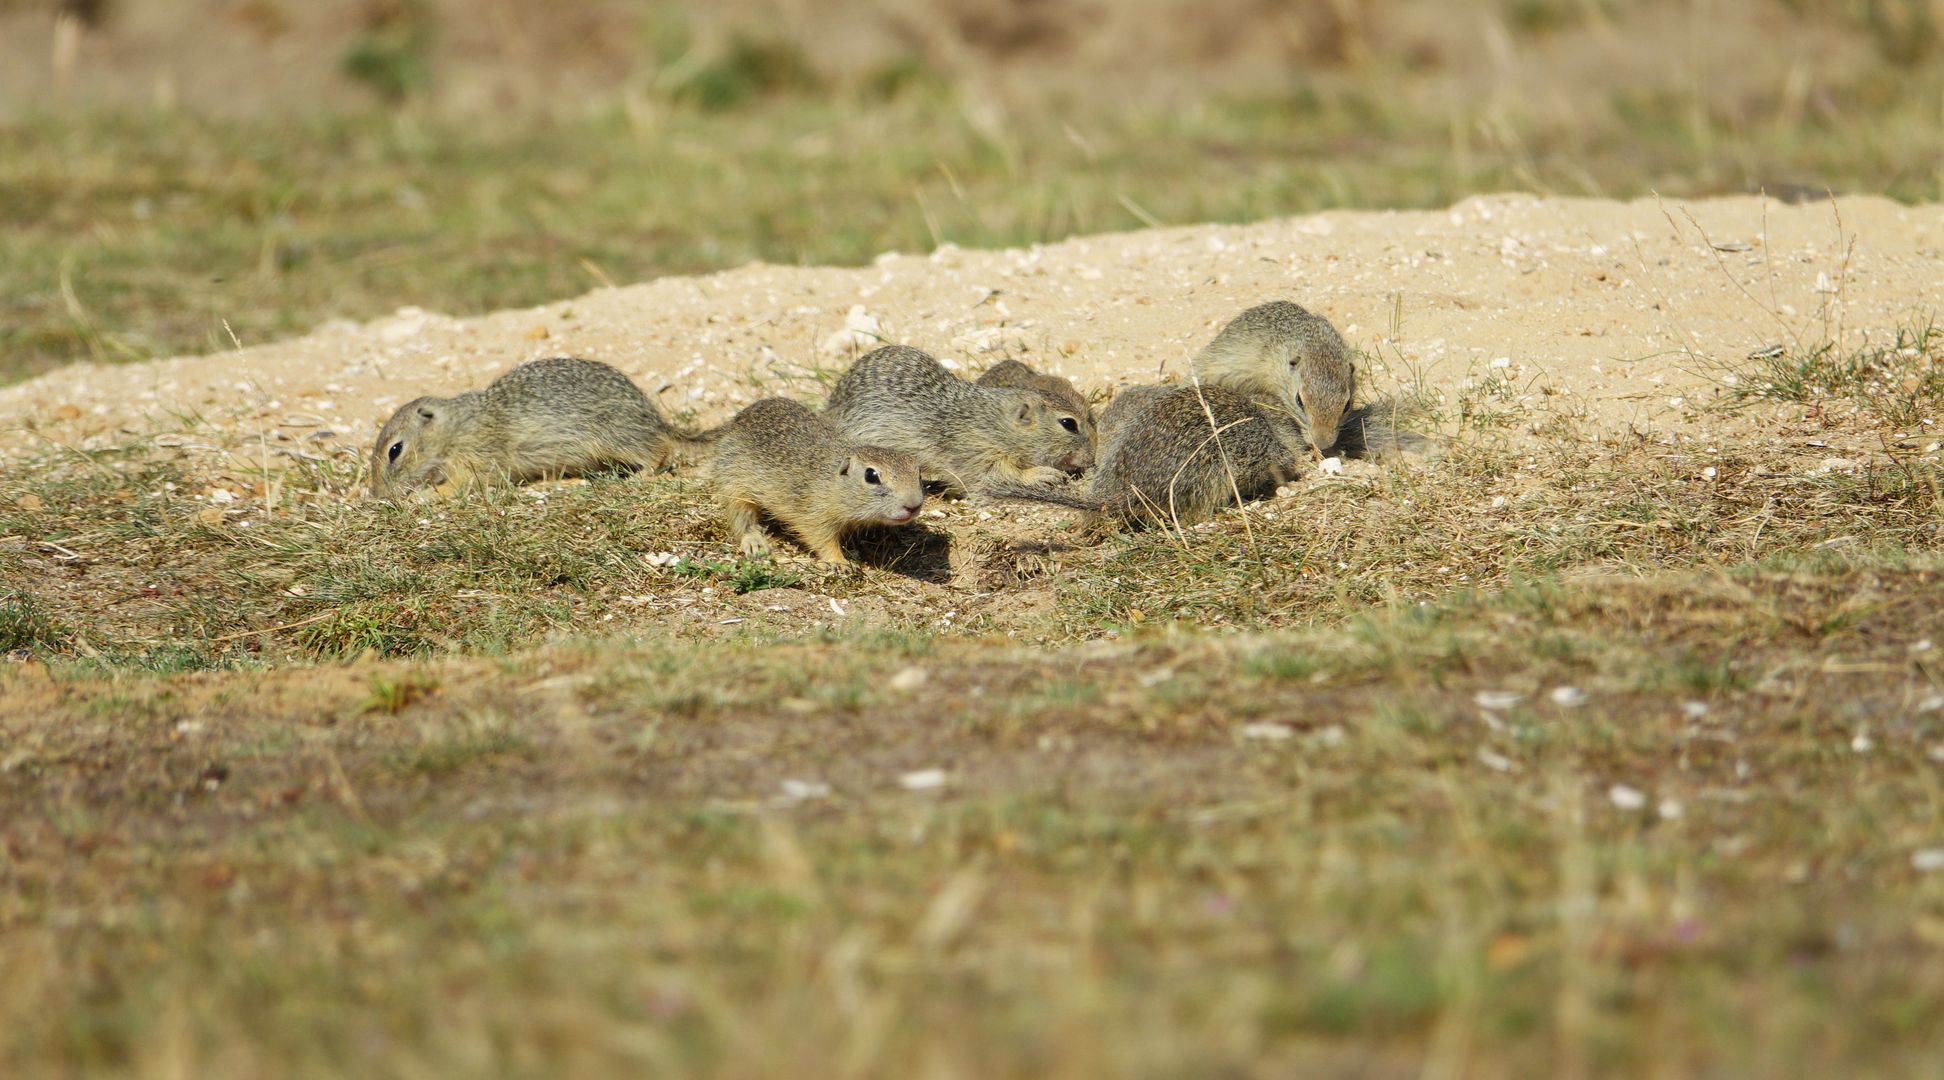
(696, 443)
(1042, 494)
(1377, 429)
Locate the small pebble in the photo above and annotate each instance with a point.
(805, 789)
(1626, 798)
(922, 780)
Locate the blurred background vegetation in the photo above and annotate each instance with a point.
(172, 171)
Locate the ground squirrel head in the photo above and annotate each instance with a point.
(1053, 434)
(1280, 350)
(412, 446)
(1061, 392)
(882, 485)
(1323, 398)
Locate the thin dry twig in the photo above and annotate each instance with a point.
(1228, 466)
(272, 629)
(1708, 242)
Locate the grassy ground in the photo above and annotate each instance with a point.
(1676, 825)
(180, 560)
(1604, 759)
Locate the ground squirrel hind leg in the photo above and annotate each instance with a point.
(647, 456)
(745, 520)
(661, 457)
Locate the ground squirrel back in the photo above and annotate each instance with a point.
(1182, 453)
(1127, 403)
(545, 418)
(776, 457)
(963, 433)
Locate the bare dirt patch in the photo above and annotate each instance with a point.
(1621, 311)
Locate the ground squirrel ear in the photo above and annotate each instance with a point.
(427, 414)
(1025, 411)
(844, 469)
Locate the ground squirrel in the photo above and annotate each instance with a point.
(545, 418)
(1180, 454)
(963, 433)
(1281, 352)
(779, 458)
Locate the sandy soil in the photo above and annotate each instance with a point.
(1622, 312)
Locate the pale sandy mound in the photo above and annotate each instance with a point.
(1619, 311)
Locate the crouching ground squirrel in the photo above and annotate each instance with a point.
(1283, 353)
(1014, 374)
(962, 433)
(1181, 454)
(543, 419)
(779, 458)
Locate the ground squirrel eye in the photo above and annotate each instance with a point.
(871, 477)
(396, 449)
(1070, 424)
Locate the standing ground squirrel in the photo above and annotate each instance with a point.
(962, 433)
(1182, 454)
(778, 457)
(543, 419)
(1279, 351)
